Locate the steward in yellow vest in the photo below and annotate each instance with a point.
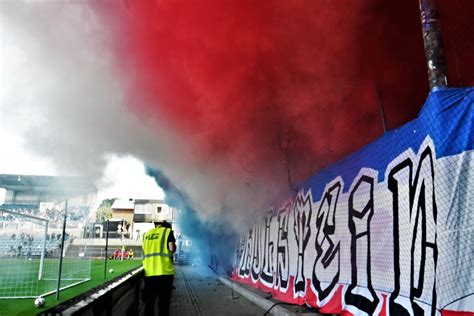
(158, 259)
(158, 248)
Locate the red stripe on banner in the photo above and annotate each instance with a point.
(456, 313)
(383, 312)
(334, 305)
(311, 297)
(287, 297)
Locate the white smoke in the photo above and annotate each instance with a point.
(60, 91)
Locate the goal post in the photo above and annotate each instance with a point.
(43, 251)
(34, 219)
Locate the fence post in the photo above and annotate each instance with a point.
(60, 265)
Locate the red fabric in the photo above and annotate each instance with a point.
(456, 313)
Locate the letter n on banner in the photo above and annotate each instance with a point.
(414, 234)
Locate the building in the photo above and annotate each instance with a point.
(153, 211)
(123, 209)
(140, 214)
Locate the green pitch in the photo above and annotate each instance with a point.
(26, 306)
(21, 275)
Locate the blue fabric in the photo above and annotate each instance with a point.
(447, 117)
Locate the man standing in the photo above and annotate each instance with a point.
(158, 244)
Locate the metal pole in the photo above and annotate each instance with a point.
(382, 111)
(237, 244)
(106, 248)
(121, 240)
(432, 40)
(60, 265)
(41, 268)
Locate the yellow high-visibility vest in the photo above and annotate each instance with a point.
(157, 258)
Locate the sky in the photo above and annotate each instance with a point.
(235, 102)
(121, 176)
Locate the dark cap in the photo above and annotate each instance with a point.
(166, 224)
(163, 224)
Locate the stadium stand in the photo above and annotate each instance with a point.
(27, 247)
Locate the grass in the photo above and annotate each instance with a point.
(23, 307)
(19, 277)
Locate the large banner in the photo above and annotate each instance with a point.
(388, 230)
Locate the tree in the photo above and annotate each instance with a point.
(103, 213)
(105, 210)
(108, 202)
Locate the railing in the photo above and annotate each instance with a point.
(121, 296)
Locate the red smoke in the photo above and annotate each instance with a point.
(263, 86)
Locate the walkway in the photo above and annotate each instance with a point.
(199, 292)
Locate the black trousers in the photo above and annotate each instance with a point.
(158, 287)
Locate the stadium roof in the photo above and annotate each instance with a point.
(53, 184)
(123, 205)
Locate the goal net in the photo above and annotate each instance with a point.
(34, 256)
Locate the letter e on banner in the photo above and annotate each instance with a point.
(327, 264)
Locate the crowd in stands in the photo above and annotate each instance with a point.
(25, 245)
(75, 216)
(23, 242)
(26, 209)
(28, 243)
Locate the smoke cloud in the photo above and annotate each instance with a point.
(213, 237)
(273, 91)
(235, 102)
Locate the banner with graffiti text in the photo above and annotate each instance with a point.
(388, 230)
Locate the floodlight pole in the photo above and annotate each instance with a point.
(434, 51)
(60, 265)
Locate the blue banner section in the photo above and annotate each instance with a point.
(386, 231)
(447, 117)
